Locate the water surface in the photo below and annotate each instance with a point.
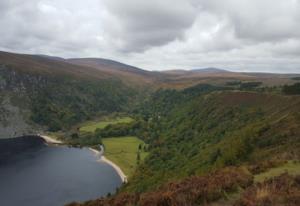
(53, 176)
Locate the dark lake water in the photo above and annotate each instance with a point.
(42, 175)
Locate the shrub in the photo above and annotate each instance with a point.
(190, 191)
(282, 190)
(291, 89)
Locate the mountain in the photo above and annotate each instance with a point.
(28, 78)
(82, 68)
(211, 146)
(47, 93)
(34, 76)
(187, 78)
(45, 65)
(107, 64)
(123, 71)
(211, 134)
(97, 68)
(210, 70)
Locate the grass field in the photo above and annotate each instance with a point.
(290, 167)
(92, 126)
(123, 151)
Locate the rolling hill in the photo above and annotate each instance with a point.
(97, 68)
(88, 68)
(29, 81)
(123, 71)
(209, 144)
(48, 93)
(210, 132)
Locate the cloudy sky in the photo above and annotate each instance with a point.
(240, 35)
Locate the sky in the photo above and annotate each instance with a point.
(239, 35)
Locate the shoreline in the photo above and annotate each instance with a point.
(112, 164)
(51, 140)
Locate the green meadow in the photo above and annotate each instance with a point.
(124, 151)
(93, 125)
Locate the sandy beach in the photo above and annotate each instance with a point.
(50, 140)
(116, 167)
(123, 177)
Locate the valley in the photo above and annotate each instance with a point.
(201, 137)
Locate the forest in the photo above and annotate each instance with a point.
(217, 138)
(204, 143)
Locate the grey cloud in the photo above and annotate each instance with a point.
(145, 24)
(256, 35)
(259, 20)
(40, 25)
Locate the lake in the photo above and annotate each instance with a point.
(33, 174)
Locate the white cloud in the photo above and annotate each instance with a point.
(252, 35)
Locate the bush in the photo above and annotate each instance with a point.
(282, 190)
(190, 191)
(249, 85)
(291, 89)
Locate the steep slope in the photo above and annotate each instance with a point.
(29, 82)
(218, 129)
(206, 143)
(205, 140)
(49, 92)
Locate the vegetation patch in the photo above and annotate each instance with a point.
(196, 190)
(249, 85)
(291, 167)
(292, 89)
(296, 78)
(126, 152)
(92, 126)
(282, 190)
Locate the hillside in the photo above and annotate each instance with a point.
(187, 78)
(73, 89)
(218, 128)
(42, 93)
(207, 143)
(97, 68)
(120, 70)
(208, 136)
(37, 64)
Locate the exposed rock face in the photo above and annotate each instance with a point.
(14, 110)
(12, 120)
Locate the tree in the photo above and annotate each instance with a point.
(74, 135)
(138, 157)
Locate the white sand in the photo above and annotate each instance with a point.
(50, 140)
(116, 167)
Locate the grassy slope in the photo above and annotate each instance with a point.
(192, 135)
(293, 168)
(200, 135)
(218, 130)
(123, 151)
(92, 126)
(38, 65)
(59, 94)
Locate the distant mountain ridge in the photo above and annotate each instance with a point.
(105, 62)
(99, 68)
(115, 68)
(210, 70)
